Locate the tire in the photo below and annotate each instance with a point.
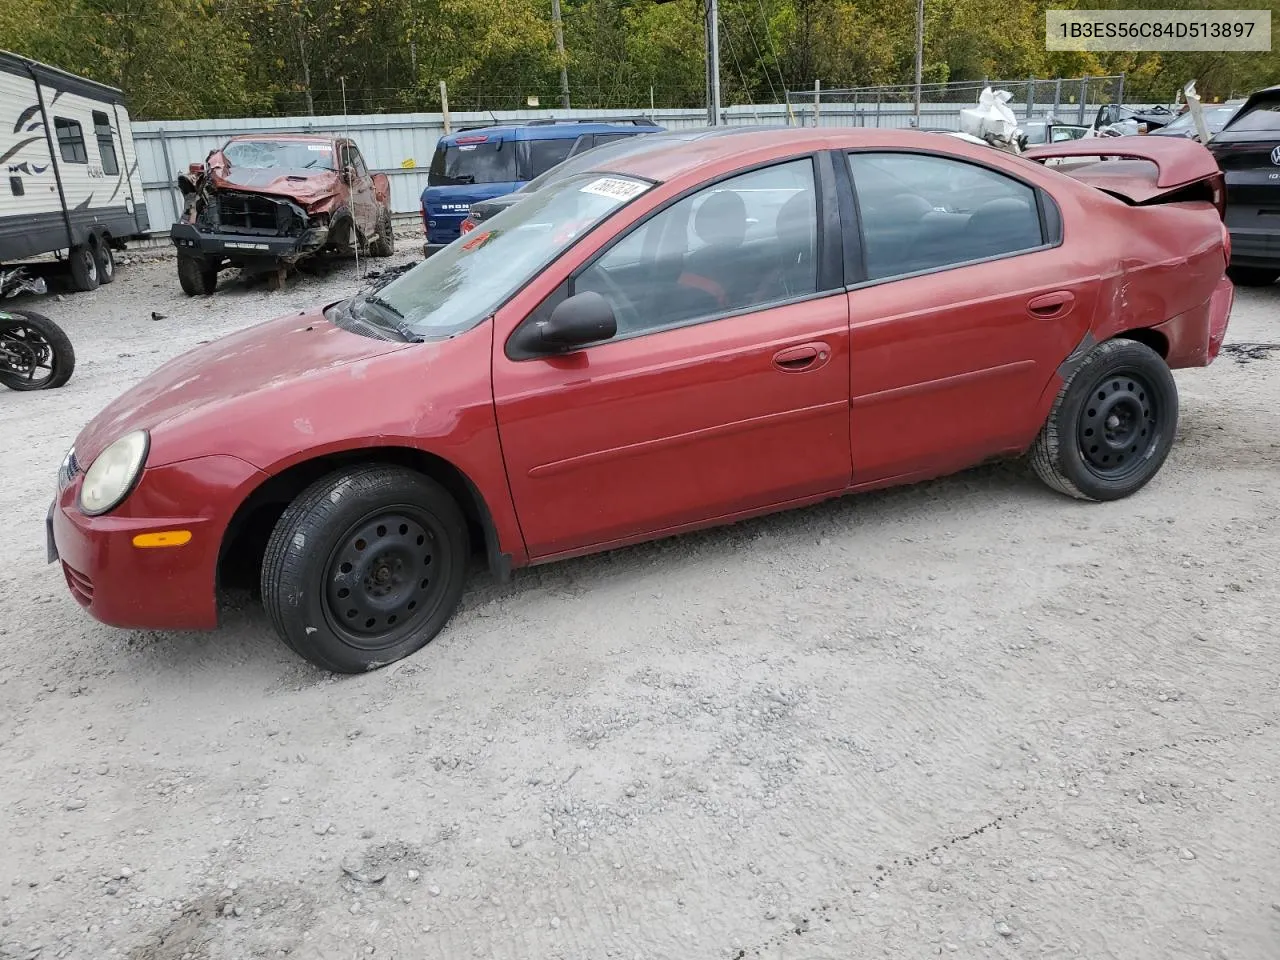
(56, 349)
(198, 276)
(381, 522)
(384, 238)
(1123, 396)
(84, 268)
(105, 259)
(1253, 276)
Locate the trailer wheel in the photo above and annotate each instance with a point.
(198, 276)
(106, 261)
(84, 268)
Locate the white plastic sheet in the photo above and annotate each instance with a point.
(991, 120)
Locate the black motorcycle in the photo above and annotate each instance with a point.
(35, 354)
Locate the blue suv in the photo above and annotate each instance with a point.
(480, 163)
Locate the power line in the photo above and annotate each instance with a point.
(759, 56)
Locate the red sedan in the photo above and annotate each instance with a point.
(699, 331)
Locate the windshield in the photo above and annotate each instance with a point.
(468, 280)
(285, 156)
(472, 160)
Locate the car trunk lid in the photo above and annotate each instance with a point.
(1140, 170)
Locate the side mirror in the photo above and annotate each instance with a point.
(581, 319)
(348, 174)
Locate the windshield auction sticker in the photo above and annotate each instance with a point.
(615, 188)
(1143, 30)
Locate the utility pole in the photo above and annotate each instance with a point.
(713, 60)
(713, 63)
(919, 56)
(564, 65)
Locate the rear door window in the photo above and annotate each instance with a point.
(921, 212)
(472, 160)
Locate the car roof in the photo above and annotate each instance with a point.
(683, 157)
(300, 137)
(551, 129)
(592, 159)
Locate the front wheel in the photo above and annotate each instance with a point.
(1112, 424)
(365, 567)
(35, 353)
(197, 276)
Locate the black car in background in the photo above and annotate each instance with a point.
(1248, 152)
(1216, 116)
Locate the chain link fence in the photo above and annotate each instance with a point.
(1066, 99)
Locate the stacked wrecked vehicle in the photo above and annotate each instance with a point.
(264, 203)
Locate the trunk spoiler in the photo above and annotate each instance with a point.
(1165, 166)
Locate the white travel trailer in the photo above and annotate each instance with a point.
(69, 182)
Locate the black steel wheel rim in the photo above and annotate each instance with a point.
(25, 353)
(386, 575)
(1119, 425)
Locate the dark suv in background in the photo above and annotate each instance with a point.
(1248, 151)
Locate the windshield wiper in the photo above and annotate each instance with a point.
(394, 316)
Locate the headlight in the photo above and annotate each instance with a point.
(111, 477)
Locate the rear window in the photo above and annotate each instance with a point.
(1265, 116)
(478, 161)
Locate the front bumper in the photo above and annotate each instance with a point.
(247, 246)
(151, 588)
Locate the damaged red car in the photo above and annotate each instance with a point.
(694, 333)
(266, 201)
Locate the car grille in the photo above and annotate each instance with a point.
(81, 586)
(252, 214)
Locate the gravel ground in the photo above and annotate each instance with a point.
(970, 718)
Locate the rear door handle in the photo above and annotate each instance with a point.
(1051, 305)
(803, 357)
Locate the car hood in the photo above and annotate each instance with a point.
(306, 191)
(261, 358)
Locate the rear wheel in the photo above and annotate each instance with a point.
(365, 567)
(1253, 276)
(105, 259)
(1112, 424)
(197, 275)
(384, 238)
(84, 268)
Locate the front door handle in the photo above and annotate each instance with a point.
(801, 358)
(1052, 305)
